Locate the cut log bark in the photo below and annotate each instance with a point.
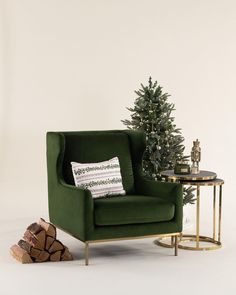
(49, 241)
(36, 240)
(56, 246)
(55, 256)
(48, 227)
(32, 240)
(35, 228)
(20, 254)
(24, 245)
(66, 255)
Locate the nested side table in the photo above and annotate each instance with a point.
(204, 178)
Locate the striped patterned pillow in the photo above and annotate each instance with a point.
(102, 179)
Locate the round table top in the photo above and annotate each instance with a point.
(202, 175)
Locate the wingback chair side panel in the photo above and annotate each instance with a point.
(137, 143)
(70, 207)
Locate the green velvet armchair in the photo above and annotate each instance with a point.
(148, 209)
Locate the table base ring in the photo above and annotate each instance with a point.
(190, 238)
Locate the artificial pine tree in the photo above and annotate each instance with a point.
(152, 113)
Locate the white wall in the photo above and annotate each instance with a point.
(73, 65)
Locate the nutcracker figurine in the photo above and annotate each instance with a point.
(195, 157)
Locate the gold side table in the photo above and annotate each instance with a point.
(204, 178)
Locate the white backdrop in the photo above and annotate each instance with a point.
(73, 65)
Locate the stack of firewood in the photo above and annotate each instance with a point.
(39, 244)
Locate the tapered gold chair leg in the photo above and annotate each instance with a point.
(86, 253)
(176, 245)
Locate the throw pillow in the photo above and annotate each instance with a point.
(102, 179)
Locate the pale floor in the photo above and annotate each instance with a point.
(124, 267)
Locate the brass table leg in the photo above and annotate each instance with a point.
(214, 213)
(198, 217)
(197, 238)
(220, 206)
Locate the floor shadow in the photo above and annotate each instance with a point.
(110, 251)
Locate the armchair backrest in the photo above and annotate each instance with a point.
(97, 146)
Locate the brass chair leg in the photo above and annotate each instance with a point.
(86, 253)
(176, 245)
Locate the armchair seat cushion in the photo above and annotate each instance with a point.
(132, 209)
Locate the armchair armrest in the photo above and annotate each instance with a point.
(168, 191)
(71, 208)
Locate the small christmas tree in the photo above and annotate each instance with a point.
(152, 113)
